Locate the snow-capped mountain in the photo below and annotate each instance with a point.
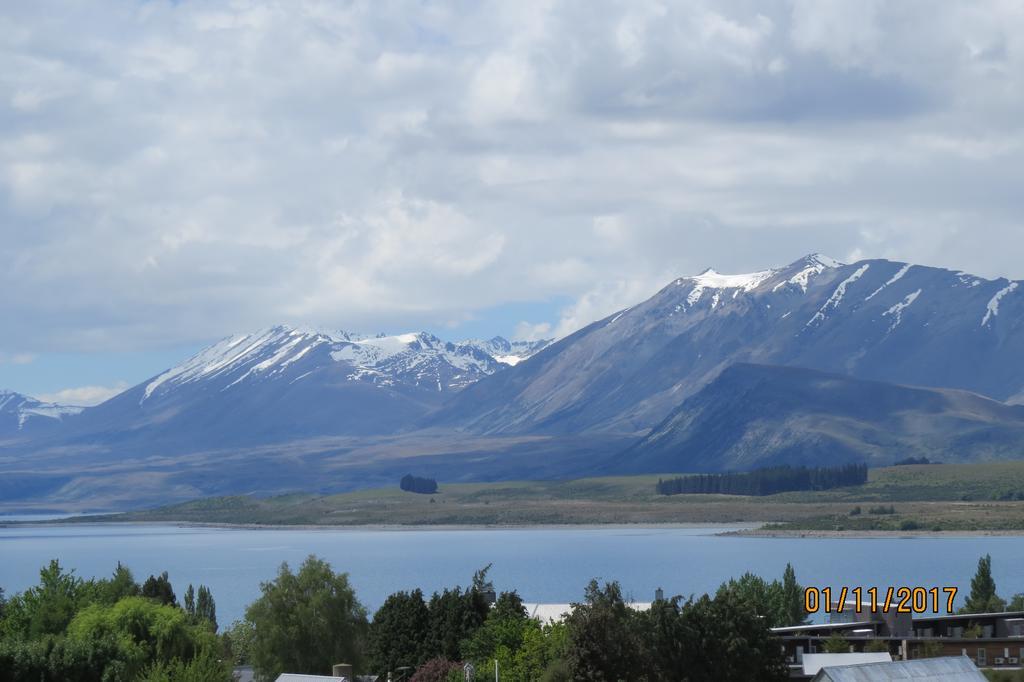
(874, 319)
(283, 383)
(284, 353)
(20, 414)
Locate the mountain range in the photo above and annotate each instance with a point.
(814, 361)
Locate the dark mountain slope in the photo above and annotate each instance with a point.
(753, 416)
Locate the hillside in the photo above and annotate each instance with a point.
(948, 496)
(756, 415)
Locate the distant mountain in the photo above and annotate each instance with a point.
(283, 383)
(753, 416)
(21, 415)
(873, 319)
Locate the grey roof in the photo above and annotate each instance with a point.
(295, 677)
(812, 663)
(946, 669)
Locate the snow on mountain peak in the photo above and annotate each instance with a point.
(24, 408)
(711, 279)
(420, 359)
(806, 268)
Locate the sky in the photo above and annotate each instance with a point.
(174, 172)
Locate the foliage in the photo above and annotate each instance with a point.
(120, 585)
(983, 597)
(707, 638)
(604, 638)
(454, 616)
(877, 645)
(306, 622)
(437, 670)
(159, 588)
(779, 603)
(767, 481)
(399, 633)
(415, 484)
(913, 460)
(47, 608)
(836, 644)
(1016, 603)
(237, 642)
(927, 649)
(204, 668)
(882, 509)
(201, 608)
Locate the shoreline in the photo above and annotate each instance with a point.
(760, 532)
(752, 529)
(724, 528)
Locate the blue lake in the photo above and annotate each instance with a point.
(544, 565)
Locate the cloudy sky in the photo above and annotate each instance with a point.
(171, 172)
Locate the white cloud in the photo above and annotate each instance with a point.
(171, 172)
(83, 396)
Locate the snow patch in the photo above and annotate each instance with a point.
(897, 310)
(992, 310)
(837, 296)
(895, 278)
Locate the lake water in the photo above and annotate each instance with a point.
(544, 565)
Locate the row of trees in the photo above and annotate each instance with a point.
(116, 630)
(108, 630)
(304, 622)
(766, 481)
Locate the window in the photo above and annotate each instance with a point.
(982, 656)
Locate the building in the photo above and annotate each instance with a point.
(949, 669)
(989, 640)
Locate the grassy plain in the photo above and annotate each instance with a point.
(957, 497)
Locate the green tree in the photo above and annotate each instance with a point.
(791, 610)
(206, 667)
(704, 639)
(929, 649)
(159, 589)
(542, 654)
(836, 644)
(46, 609)
(1016, 603)
(399, 632)
(206, 607)
(455, 615)
(306, 621)
(137, 632)
(877, 645)
(189, 602)
(983, 597)
(237, 642)
(604, 642)
(120, 585)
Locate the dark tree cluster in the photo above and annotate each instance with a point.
(416, 484)
(914, 460)
(766, 481)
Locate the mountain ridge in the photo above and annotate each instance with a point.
(873, 319)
